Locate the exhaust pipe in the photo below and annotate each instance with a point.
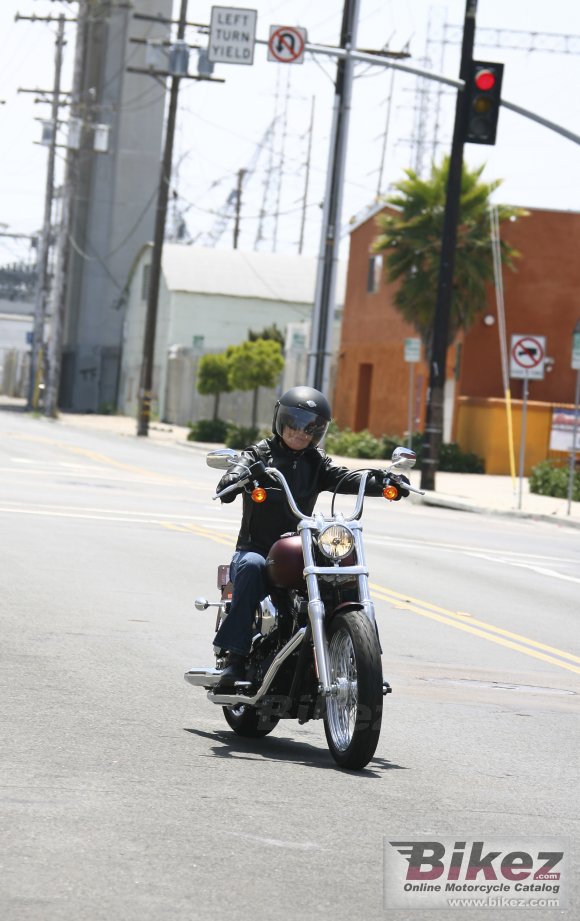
(209, 677)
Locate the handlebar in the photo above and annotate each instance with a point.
(275, 474)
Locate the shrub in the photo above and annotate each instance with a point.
(547, 479)
(208, 430)
(346, 443)
(453, 460)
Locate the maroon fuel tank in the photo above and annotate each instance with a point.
(285, 563)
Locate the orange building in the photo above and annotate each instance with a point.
(542, 297)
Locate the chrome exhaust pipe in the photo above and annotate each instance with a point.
(229, 698)
(203, 677)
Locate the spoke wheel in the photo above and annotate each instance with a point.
(353, 715)
(249, 722)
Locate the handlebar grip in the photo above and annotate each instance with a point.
(235, 486)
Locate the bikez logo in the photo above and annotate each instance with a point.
(475, 874)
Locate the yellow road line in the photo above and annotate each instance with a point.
(488, 632)
(104, 459)
(217, 536)
(473, 620)
(451, 618)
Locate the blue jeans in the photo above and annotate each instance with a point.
(247, 572)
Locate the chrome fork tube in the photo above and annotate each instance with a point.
(363, 580)
(316, 614)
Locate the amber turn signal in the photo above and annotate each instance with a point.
(390, 492)
(259, 494)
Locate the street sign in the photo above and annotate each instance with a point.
(527, 356)
(232, 35)
(412, 350)
(564, 431)
(576, 351)
(286, 44)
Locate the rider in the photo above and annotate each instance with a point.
(301, 419)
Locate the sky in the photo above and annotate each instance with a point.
(259, 119)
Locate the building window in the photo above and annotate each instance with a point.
(375, 271)
(145, 282)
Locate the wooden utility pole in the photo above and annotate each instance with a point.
(145, 390)
(44, 238)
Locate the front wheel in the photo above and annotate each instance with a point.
(249, 722)
(353, 716)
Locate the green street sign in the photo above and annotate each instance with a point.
(576, 351)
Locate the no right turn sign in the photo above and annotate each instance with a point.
(527, 356)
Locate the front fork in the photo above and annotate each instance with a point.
(316, 611)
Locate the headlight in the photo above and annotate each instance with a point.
(336, 542)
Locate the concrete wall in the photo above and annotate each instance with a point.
(482, 427)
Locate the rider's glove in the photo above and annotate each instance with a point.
(382, 478)
(398, 480)
(229, 479)
(259, 475)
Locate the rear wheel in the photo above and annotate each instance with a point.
(249, 722)
(353, 716)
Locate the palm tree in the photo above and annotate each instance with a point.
(411, 240)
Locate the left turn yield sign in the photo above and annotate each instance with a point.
(286, 44)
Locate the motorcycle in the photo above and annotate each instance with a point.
(315, 651)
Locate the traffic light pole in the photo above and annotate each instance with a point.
(438, 362)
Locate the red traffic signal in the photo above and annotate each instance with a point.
(485, 80)
(483, 92)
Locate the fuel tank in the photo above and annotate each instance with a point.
(285, 563)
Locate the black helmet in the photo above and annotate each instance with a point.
(305, 409)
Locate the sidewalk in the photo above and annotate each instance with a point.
(467, 492)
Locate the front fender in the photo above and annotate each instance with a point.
(351, 606)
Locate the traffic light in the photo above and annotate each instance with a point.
(483, 89)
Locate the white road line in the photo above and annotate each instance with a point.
(436, 545)
(541, 570)
(118, 515)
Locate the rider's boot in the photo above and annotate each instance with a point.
(235, 670)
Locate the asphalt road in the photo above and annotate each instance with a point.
(124, 795)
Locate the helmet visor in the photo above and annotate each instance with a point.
(301, 420)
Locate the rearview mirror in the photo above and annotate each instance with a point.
(403, 458)
(222, 459)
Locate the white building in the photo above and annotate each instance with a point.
(210, 299)
(16, 319)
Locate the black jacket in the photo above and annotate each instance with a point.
(307, 473)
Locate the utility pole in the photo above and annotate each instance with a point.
(44, 238)
(63, 244)
(145, 390)
(436, 392)
(241, 174)
(179, 73)
(321, 334)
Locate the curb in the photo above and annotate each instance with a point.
(460, 505)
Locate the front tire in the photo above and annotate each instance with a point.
(249, 722)
(353, 717)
